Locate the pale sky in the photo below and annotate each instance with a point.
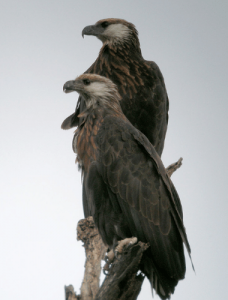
(41, 48)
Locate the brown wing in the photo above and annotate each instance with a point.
(134, 195)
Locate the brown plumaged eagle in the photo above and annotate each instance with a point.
(125, 185)
(140, 83)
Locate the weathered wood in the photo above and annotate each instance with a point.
(173, 167)
(95, 251)
(70, 293)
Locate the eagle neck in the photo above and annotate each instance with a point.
(122, 49)
(102, 108)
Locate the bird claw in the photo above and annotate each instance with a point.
(109, 258)
(106, 269)
(111, 255)
(106, 259)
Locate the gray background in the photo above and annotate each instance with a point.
(41, 48)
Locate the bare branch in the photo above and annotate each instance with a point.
(95, 251)
(70, 293)
(173, 167)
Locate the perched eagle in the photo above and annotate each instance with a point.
(140, 83)
(125, 186)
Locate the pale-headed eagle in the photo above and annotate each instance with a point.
(140, 83)
(125, 185)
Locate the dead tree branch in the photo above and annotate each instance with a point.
(70, 293)
(95, 251)
(173, 167)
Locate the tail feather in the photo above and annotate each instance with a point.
(163, 292)
(162, 285)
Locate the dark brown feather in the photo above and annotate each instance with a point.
(129, 194)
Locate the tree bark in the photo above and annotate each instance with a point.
(70, 293)
(95, 251)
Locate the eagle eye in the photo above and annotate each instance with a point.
(104, 24)
(86, 81)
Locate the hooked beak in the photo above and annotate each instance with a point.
(92, 30)
(69, 86)
(73, 85)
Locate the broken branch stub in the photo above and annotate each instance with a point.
(70, 293)
(95, 251)
(173, 167)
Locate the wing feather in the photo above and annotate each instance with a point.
(137, 181)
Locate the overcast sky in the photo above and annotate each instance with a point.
(41, 48)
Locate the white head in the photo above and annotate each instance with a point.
(95, 89)
(113, 31)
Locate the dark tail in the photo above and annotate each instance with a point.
(162, 285)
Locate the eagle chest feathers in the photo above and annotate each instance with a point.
(85, 141)
(141, 87)
(127, 70)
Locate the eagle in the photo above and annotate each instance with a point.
(125, 185)
(140, 83)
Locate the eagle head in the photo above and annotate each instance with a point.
(112, 31)
(95, 89)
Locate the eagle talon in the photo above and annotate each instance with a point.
(109, 258)
(106, 269)
(106, 259)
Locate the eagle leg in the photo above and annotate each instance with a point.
(110, 256)
(126, 242)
